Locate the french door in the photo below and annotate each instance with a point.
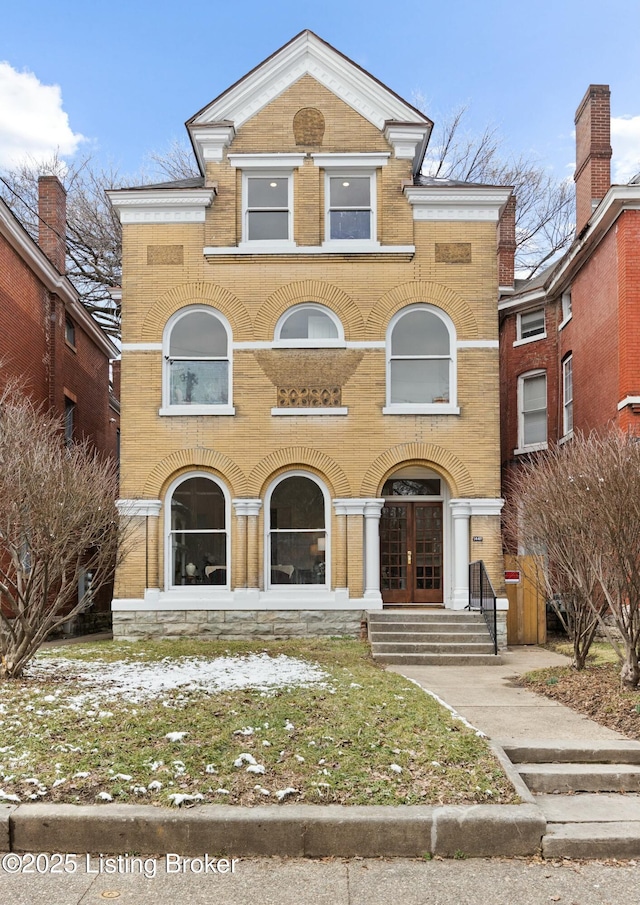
(411, 553)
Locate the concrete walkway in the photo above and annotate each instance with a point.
(492, 701)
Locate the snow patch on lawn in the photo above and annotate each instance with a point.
(135, 682)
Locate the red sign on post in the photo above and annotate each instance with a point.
(512, 576)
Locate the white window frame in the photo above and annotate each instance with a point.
(338, 341)
(266, 174)
(567, 311)
(277, 166)
(195, 590)
(351, 165)
(567, 402)
(531, 447)
(297, 589)
(520, 340)
(424, 408)
(220, 409)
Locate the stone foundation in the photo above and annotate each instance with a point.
(501, 626)
(235, 625)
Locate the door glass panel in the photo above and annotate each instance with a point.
(428, 543)
(393, 548)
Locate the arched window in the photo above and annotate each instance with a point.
(197, 532)
(309, 325)
(297, 546)
(197, 363)
(421, 374)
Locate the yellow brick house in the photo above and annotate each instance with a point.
(310, 398)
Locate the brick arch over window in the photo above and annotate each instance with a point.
(294, 457)
(422, 292)
(196, 294)
(452, 469)
(191, 460)
(309, 291)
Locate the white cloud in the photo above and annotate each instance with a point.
(32, 121)
(625, 141)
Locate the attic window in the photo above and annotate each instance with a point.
(531, 326)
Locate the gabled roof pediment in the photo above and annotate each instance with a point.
(306, 54)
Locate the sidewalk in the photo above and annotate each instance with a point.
(491, 700)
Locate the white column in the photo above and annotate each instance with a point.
(249, 510)
(461, 513)
(372, 510)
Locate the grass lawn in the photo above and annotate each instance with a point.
(595, 691)
(150, 720)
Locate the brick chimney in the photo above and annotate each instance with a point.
(593, 152)
(52, 226)
(507, 243)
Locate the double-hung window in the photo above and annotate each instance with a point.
(267, 199)
(268, 208)
(197, 363)
(350, 196)
(531, 326)
(421, 362)
(567, 395)
(532, 411)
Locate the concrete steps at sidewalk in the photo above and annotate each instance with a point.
(589, 794)
(428, 638)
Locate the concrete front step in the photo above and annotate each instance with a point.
(429, 647)
(403, 637)
(438, 659)
(415, 615)
(544, 751)
(428, 628)
(592, 840)
(571, 777)
(590, 807)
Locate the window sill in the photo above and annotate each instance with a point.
(564, 323)
(174, 410)
(434, 408)
(332, 248)
(565, 439)
(530, 339)
(338, 410)
(534, 447)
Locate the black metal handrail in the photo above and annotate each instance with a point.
(482, 597)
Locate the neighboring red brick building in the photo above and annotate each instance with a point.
(570, 338)
(49, 343)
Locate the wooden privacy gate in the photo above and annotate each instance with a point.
(527, 616)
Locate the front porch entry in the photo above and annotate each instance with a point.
(411, 553)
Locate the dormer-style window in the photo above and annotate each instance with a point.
(309, 325)
(197, 364)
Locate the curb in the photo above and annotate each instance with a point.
(294, 831)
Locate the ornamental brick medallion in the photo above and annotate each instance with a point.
(308, 126)
(309, 397)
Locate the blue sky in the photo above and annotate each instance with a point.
(130, 72)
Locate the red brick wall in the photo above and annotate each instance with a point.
(540, 354)
(24, 307)
(628, 246)
(593, 334)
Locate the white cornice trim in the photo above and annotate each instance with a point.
(535, 295)
(161, 205)
(477, 344)
(284, 161)
(139, 507)
(53, 281)
(142, 347)
(210, 141)
(307, 55)
(457, 203)
(349, 161)
(406, 139)
(478, 506)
